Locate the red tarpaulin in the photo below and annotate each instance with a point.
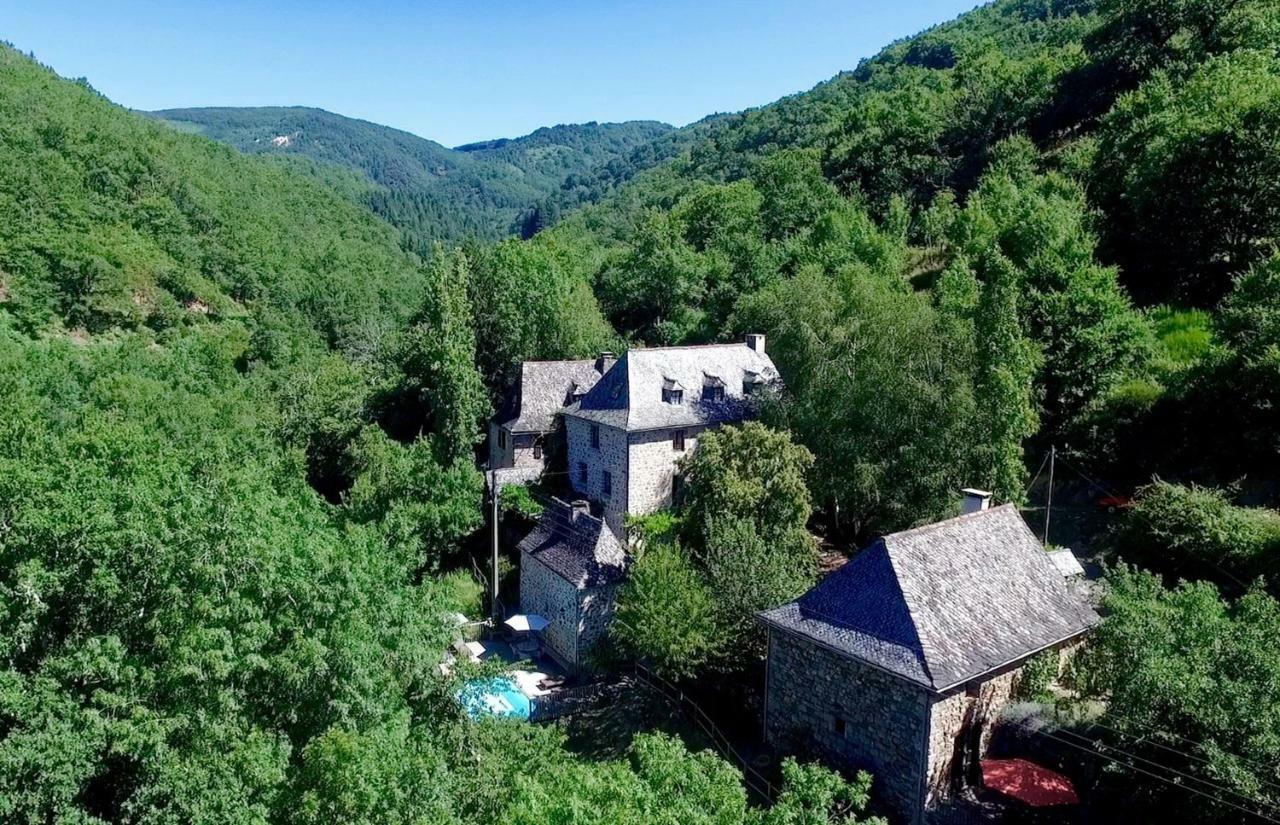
(1028, 782)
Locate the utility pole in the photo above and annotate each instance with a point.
(493, 573)
(1048, 508)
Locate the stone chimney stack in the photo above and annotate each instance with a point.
(756, 342)
(604, 361)
(579, 508)
(975, 501)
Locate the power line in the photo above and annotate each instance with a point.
(1223, 788)
(1111, 491)
(1153, 729)
(1145, 738)
(1166, 780)
(1036, 477)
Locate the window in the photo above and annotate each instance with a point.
(839, 726)
(673, 396)
(595, 436)
(606, 483)
(752, 383)
(712, 389)
(502, 439)
(537, 448)
(677, 441)
(582, 473)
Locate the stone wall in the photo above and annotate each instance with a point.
(884, 719)
(518, 452)
(950, 719)
(498, 456)
(610, 456)
(547, 594)
(653, 466)
(596, 607)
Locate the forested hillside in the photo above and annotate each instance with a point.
(1049, 190)
(481, 190)
(1044, 223)
(240, 411)
(237, 463)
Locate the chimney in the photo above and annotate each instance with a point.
(579, 508)
(756, 342)
(604, 361)
(975, 501)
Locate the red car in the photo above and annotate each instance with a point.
(1113, 503)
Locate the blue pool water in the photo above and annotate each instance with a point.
(493, 697)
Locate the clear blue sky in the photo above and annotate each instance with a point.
(458, 71)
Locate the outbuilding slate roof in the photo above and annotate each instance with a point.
(942, 604)
(630, 395)
(543, 390)
(579, 548)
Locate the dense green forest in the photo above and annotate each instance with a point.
(241, 410)
(485, 190)
(237, 464)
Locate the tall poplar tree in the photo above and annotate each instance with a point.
(1006, 364)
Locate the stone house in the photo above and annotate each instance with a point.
(627, 424)
(571, 564)
(626, 435)
(527, 417)
(901, 661)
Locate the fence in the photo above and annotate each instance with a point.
(754, 780)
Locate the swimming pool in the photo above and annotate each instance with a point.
(493, 697)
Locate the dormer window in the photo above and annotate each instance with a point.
(712, 389)
(752, 382)
(672, 391)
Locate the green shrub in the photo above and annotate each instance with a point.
(1038, 674)
(1172, 524)
(516, 498)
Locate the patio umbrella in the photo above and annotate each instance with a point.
(1028, 782)
(526, 621)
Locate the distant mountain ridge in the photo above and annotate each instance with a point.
(432, 192)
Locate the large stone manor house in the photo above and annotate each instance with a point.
(626, 425)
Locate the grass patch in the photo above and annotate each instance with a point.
(1183, 336)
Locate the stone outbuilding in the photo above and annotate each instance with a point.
(527, 417)
(627, 434)
(901, 662)
(571, 564)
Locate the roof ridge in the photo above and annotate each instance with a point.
(688, 346)
(925, 528)
(926, 646)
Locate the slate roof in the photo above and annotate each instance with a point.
(581, 550)
(629, 396)
(543, 390)
(942, 604)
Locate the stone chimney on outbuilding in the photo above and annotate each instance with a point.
(604, 361)
(755, 341)
(975, 501)
(579, 508)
